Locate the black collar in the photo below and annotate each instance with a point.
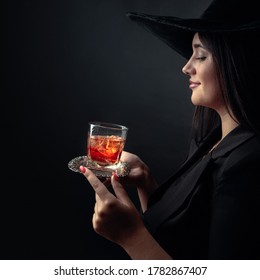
(232, 140)
(162, 206)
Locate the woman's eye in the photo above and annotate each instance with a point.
(201, 57)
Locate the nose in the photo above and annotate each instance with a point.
(187, 68)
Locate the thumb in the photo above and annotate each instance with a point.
(120, 191)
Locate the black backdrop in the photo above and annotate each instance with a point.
(66, 63)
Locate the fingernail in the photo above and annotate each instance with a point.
(82, 169)
(115, 175)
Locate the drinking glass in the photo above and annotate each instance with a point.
(106, 142)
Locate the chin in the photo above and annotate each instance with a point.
(195, 101)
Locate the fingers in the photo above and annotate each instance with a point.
(107, 182)
(96, 184)
(102, 192)
(119, 190)
(126, 156)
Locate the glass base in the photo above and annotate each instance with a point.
(121, 169)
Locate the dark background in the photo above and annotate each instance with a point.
(66, 63)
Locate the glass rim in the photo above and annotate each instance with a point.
(109, 125)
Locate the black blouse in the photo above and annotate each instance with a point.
(210, 208)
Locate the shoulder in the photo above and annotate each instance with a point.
(248, 153)
(238, 171)
(240, 147)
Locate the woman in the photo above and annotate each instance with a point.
(209, 209)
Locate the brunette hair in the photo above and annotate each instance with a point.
(237, 59)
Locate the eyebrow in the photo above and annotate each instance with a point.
(198, 46)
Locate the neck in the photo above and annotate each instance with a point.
(227, 124)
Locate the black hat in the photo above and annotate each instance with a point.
(220, 16)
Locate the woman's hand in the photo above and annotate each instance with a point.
(117, 219)
(140, 176)
(115, 216)
(139, 171)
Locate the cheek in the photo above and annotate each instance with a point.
(210, 85)
(209, 78)
(208, 94)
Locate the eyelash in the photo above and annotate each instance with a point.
(201, 58)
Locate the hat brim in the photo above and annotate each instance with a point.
(178, 33)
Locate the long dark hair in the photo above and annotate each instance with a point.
(237, 60)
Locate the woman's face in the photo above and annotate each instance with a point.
(203, 79)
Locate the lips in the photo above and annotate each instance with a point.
(193, 84)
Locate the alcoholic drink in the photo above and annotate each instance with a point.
(105, 150)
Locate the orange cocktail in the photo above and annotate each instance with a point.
(106, 142)
(105, 150)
